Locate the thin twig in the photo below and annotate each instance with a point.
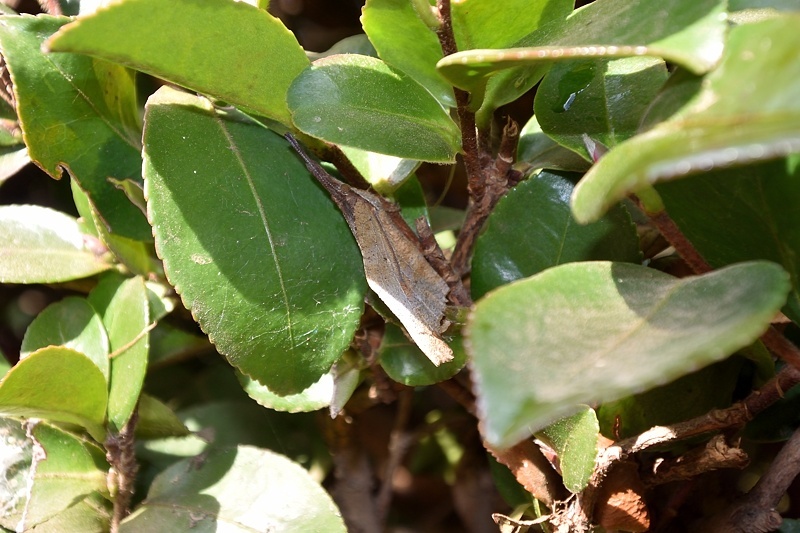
(121, 455)
(675, 237)
(781, 346)
(499, 179)
(433, 253)
(755, 512)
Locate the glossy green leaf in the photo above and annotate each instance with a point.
(727, 123)
(59, 384)
(536, 151)
(66, 469)
(532, 229)
(256, 249)
(156, 420)
(251, 490)
(604, 100)
(78, 114)
(40, 245)
(355, 44)
(404, 41)
(124, 308)
(71, 323)
(405, 363)
(228, 49)
(686, 32)
(362, 102)
(686, 397)
(599, 331)
(575, 440)
(742, 214)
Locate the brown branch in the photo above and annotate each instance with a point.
(532, 470)
(499, 179)
(51, 7)
(121, 455)
(349, 172)
(433, 253)
(781, 346)
(715, 454)
(755, 512)
(675, 237)
(734, 416)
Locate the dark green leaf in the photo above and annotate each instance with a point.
(404, 41)
(600, 331)
(169, 344)
(406, 364)
(727, 123)
(226, 49)
(360, 101)
(256, 249)
(40, 245)
(90, 515)
(124, 307)
(686, 397)
(742, 214)
(574, 439)
(79, 114)
(71, 323)
(58, 384)
(532, 229)
(604, 100)
(239, 489)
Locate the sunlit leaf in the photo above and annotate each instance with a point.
(217, 39)
(252, 489)
(727, 123)
(574, 439)
(599, 331)
(362, 102)
(256, 249)
(40, 245)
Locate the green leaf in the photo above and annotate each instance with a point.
(600, 331)
(40, 245)
(79, 114)
(686, 32)
(66, 469)
(604, 100)
(362, 102)
(251, 489)
(536, 151)
(218, 39)
(90, 515)
(124, 307)
(256, 249)
(57, 384)
(686, 397)
(404, 41)
(315, 397)
(71, 323)
(12, 160)
(483, 24)
(384, 172)
(742, 214)
(532, 229)
(74, 468)
(727, 123)
(156, 420)
(574, 439)
(405, 363)
(169, 344)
